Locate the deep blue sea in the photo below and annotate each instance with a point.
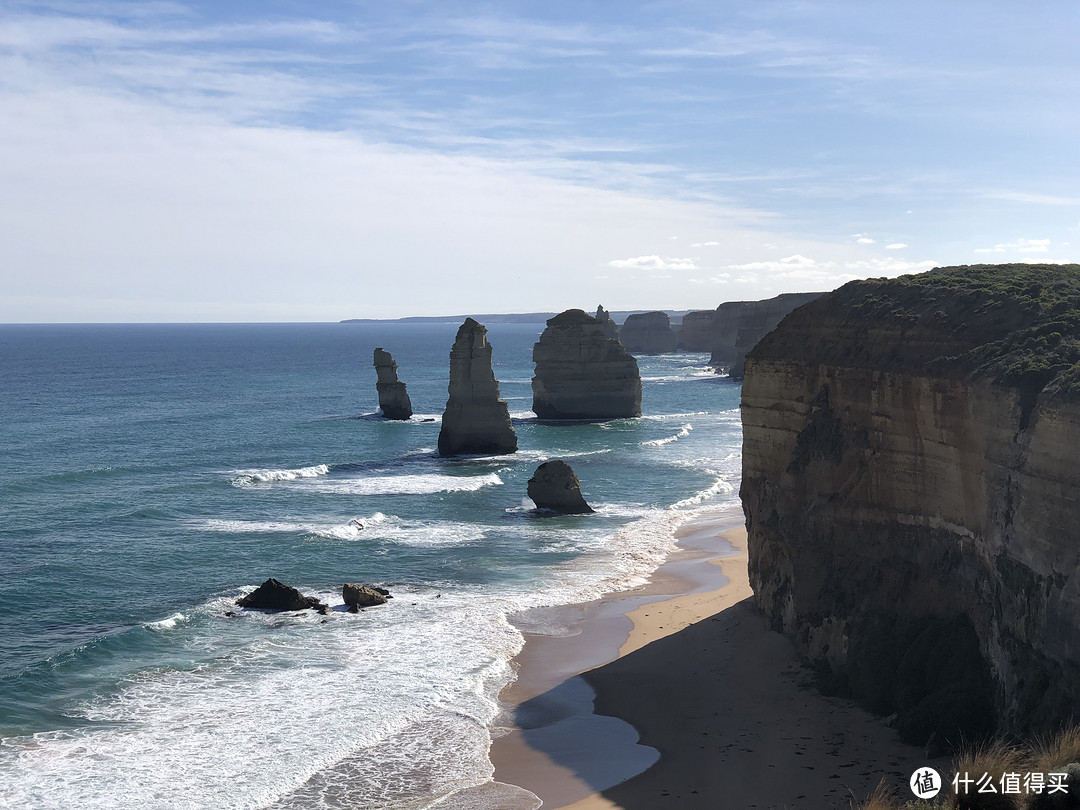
(151, 474)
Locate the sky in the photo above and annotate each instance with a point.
(287, 160)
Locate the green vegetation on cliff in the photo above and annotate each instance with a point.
(1016, 323)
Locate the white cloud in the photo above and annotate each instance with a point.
(1019, 246)
(863, 239)
(653, 263)
(1030, 197)
(704, 244)
(896, 246)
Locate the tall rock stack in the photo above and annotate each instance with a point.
(611, 329)
(476, 420)
(648, 333)
(581, 373)
(393, 398)
(696, 334)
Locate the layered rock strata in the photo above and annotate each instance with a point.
(739, 325)
(476, 419)
(910, 488)
(556, 487)
(393, 397)
(648, 333)
(581, 373)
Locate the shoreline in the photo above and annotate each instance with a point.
(726, 714)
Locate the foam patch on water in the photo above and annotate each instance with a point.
(420, 484)
(682, 434)
(167, 623)
(718, 487)
(248, 478)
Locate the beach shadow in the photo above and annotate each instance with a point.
(735, 719)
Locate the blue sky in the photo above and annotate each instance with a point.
(278, 161)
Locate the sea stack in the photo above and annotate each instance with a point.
(910, 489)
(554, 486)
(648, 333)
(611, 329)
(581, 373)
(393, 398)
(476, 420)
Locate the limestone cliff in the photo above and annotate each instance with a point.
(698, 329)
(581, 373)
(648, 333)
(393, 397)
(476, 420)
(910, 490)
(611, 329)
(739, 325)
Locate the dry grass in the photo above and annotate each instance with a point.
(994, 758)
(1054, 752)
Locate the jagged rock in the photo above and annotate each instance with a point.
(581, 373)
(910, 489)
(476, 420)
(275, 595)
(554, 486)
(648, 333)
(697, 331)
(363, 595)
(611, 329)
(393, 398)
(739, 325)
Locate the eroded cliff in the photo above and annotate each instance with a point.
(910, 490)
(739, 325)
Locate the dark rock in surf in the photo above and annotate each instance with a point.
(360, 596)
(275, 595)
(554, 486)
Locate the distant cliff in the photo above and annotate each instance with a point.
(911, 492)
(739, 325)
(648, 333)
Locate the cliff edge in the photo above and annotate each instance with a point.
(911, 494)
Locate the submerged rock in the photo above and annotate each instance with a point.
(363, 595)
(393, 398)
(555, 486)
(476, 420)
(648, 333)
(275, 595)
(582, 373)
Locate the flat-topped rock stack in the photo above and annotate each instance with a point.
(648, 333)
(476, 419)
(581, 373)
(696, 334)
(393, 397)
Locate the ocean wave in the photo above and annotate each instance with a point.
(168, 623)
(421, 484)
(719, 487)
(248, 478)
(682, 434)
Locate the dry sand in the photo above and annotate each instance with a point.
(699, 675)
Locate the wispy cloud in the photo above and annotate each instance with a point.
(653, 263)
(1019, 246)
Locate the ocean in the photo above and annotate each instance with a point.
(152, 474)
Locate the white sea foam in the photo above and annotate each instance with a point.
(247, 478)
(718, 487)
(167, 623)
(419, 484)
(682, 434)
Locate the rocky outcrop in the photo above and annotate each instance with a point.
(910, 488)
(275, 595)
(476, 420)
(554, 486)
(581, 373)
(611, 329)
(648, 333)
(697, 331)
(393, 398)
(362, 596)
(739, 325)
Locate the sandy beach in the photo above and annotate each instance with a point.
(727, 716)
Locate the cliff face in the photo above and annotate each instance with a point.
(910, 492)
(697, 332)
(739, 325)
(581, 373)
(648, 333)
(393, 397)
(476, 420)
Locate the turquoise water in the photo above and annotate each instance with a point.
(153, 473)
